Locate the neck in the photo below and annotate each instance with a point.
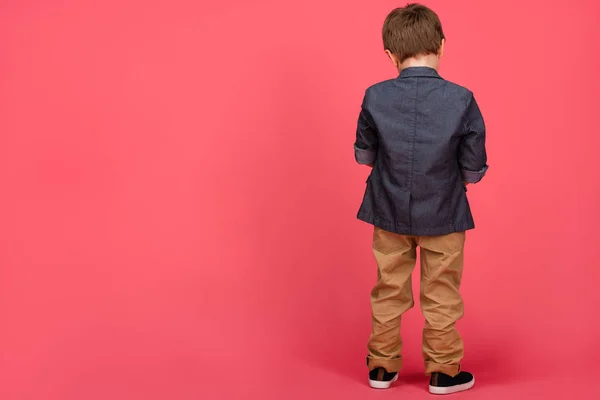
(429, 60)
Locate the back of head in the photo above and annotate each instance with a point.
(412, 31)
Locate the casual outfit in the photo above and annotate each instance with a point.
(424, 137)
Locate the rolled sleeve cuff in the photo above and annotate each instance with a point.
(364, 156)
(474, 176)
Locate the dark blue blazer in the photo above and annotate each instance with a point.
(425, 137)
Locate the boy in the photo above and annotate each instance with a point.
(424, 138)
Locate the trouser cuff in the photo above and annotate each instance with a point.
(448, 369)
(390, 364)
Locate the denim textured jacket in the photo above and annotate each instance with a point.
(425, 137)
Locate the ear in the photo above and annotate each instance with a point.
(394, 59)
(441, 50)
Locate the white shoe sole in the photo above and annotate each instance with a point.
(382, 384)
(452, 389)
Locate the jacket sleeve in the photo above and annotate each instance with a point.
(472, 154)
(367, 143)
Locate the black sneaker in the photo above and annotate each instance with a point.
(445, 384)
(379, 378)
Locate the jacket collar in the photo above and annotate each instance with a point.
(426, 72)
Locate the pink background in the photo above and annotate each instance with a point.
(178, 199)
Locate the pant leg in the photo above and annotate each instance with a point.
(441, 302)
(390, 298)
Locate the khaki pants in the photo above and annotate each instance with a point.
(441, 302)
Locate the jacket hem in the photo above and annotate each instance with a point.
(414, 230)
